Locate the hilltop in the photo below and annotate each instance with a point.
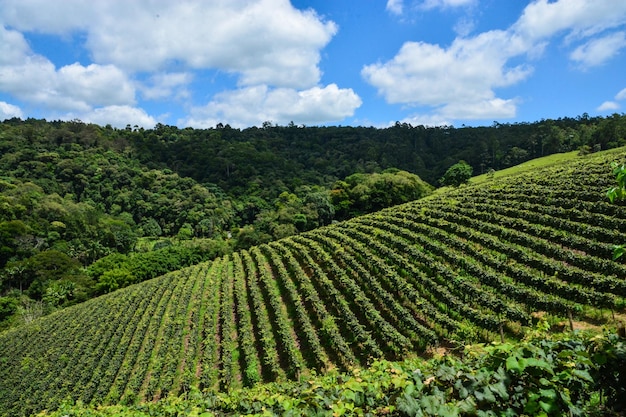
(480, 263)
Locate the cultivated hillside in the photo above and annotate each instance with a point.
(470, 264)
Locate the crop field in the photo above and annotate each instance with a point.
(472, 264)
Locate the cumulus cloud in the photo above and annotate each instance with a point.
(432, 4)
(167, 85)
(116, 116)
(395, 7)
(460, 81)
(258, 104)
(608, 105)
(158, 47)
(33, 78)
(431, 120)
(612, 105)
(467, 71)
(45, 17)
(598, 51)
(578, 18)
(263, 41)
(483, 109)
(8, 111)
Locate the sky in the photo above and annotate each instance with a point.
(197, 63)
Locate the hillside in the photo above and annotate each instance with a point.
(471, 264)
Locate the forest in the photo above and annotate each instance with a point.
(88, 209)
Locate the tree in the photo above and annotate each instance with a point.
(8, 306)
(365, 193)
(457, 174)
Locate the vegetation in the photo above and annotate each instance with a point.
(575, 376)
(81, 192)
(618, 193)
(476, 264)
(457, 174)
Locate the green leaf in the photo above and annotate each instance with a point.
(354, 386)
(582, 374)
(538, 363)
(513, 364)
(549, 406)
(548, 393)
(500, 389)
(467, 406)
(485, 396)
(430, 404)
(349, 395)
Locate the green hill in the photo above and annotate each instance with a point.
(474, 264)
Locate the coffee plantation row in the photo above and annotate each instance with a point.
(577, 374)
(469, 265)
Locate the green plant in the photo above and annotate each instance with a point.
(618, 193)
(457, 174)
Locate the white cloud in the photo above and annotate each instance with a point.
(8, 111)
(166, 85)
(72, 87)
(466, 72)
(395, 7)
(96, 85)
(580, 18)
(34, 79)
(443, 4)
(459, 81)
(599, 50)
(496, 108)
(464, 26)
(255, 105)
(263, 41)
(13, 46)
(157, 47)
(116, 116)
(426, 120)
(45, 17)
(608, 105)
(612, 105)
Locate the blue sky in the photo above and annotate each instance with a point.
(314, 62)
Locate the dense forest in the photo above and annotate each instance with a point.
(87, 209)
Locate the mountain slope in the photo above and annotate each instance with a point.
(469, 265)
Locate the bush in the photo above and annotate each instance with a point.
(457, 174)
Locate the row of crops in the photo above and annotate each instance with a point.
(469, 265)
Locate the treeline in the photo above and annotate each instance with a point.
(242, 161)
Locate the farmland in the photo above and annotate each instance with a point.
(473, 264)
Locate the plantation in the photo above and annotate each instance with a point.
(473, 264)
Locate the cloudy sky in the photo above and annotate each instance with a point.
(314, 62)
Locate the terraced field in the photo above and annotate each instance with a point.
(472, 264)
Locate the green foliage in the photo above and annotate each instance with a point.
(89, 191)
(539, 378)
(8, 306)
(366, 193)
(457, 174)
(618, 193)
(615, 194)
(118, 271)
(473, 266)
(470, 266)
